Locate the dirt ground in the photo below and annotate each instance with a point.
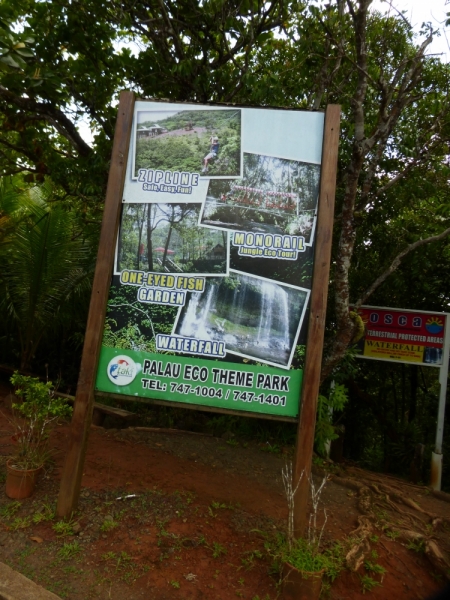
(173, 515)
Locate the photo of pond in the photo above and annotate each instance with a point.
(256, 318)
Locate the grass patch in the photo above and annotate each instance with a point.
(69, 550)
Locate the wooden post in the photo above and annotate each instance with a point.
(69, 490)
(314, 346)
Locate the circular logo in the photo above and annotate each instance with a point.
(121, 370)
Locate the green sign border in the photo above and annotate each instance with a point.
(216, 384)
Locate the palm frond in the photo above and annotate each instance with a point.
(47, 261)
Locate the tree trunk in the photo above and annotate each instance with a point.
(149, 240)
(414, 383)
(141, 227)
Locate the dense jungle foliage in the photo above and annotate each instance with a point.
(131, 325)
(62, 65)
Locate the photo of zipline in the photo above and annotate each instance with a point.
(275, 195)
(166, 238)
(207, 142)
(255, 317)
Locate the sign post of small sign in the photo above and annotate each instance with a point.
(410, 337)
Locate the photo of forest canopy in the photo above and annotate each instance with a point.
(275, 195)
(193, 141)
(256, 318)
(166, 238)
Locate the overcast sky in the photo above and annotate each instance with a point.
(417, 12)
(420, 11)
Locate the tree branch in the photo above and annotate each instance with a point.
(396, 263)
(52, 115)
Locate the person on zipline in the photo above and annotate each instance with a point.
(213, 152)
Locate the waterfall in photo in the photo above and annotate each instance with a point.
(274, 310)
(195, 320)
(239, 297)
(251, 315)
(190, 318)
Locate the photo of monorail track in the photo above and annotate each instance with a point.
(276, 196)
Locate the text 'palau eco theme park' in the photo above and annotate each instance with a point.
(224, 300)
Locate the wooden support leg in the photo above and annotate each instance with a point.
(69, 490)
(314, 345)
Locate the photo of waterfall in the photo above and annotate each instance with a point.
(255, 317)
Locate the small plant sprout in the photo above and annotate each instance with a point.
(232, 442)
(10, 509)
(63, 528)
(368, 583)
(20, 523)
(109, 555)
(272, 448)
(69, 550)
(286, 474)
(218, 550)
(375, 568)
(46, 514)
(38, 518)
(418, 545)
(248, 561)
(392, 534)
(175, 584)
(107, 525)
(313, 538)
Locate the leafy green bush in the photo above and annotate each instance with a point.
(42, 410)
(305, 557)
(325, 430)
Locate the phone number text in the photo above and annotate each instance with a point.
(236, 395)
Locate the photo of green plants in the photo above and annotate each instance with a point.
(180, 141)
(133, 325)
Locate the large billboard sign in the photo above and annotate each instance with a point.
(402, 335)
(214, 257)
